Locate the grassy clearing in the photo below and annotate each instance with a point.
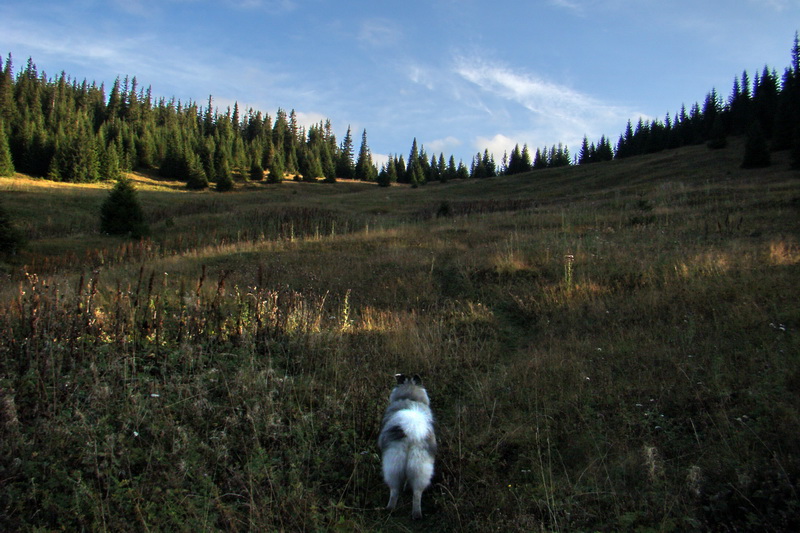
(606, 347)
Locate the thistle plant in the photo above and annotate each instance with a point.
(345, 322)
(569, 259)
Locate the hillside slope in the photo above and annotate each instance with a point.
(608, 347)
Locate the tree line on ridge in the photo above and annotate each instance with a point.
(65, 130)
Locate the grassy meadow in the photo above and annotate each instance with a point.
(606, 347)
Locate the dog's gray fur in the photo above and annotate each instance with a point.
(407, 441)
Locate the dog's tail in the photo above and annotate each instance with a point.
(415, 425)
(409, 446)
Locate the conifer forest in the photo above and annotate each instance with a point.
(68, 130)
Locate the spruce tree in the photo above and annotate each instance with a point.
(222, 171)
(256, 171)
(388, 175)
(383, 177)
(267, 156)
(625, 144)
(784, 120)
(310, 166)
(795, 66)
(413, 169)
(476, 166)
(795, 153)
(525, 165)
(6, 163)
(76, 157)
(328, 163)
(401, 169)
(424, 165)
(756, 149)
(765, 100)
(109, 164)
(345, 168)
(173, 162)
(416, 176)
(121, 213)
(462, 172)
(365, 169)
(489, 166)
(196, 178)
(585, 155)
(7, 107)
(540, 161)
(276, 170)
(224, 179)
(433, 170)
(717, 138)
(604, 150)
(291, 163)
(452, 171)
(711, 110)
(114, 102)
(514, 161)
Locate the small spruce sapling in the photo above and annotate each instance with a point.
(121, 213)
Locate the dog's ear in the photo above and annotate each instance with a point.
(401, 378)
(416, 380)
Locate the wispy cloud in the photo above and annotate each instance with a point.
(777, 5)
(584, 8)
(174, 70)
(75, 47)
(379, 32)
(422, 75)
(548, 104)
(572, 5)
(139, 8)
(535, 94)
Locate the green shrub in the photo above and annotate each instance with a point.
(121, 213)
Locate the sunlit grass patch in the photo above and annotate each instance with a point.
(784, 252)
(706, 263)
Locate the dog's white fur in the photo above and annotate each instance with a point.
(407, 441)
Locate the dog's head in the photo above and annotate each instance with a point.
(409, 388)
(402, 379)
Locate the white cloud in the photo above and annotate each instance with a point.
(379, 160)
(497, 145)
(442, 145)
(308, 119)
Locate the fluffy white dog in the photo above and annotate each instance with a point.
(407, 441)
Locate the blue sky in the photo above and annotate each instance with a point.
(459, 75)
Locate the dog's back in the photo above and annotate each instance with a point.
(407, 441)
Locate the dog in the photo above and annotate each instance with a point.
(407, 441)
